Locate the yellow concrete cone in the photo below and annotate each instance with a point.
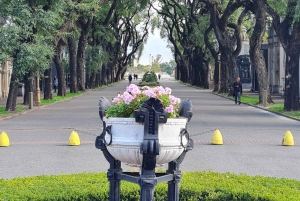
(74, 139)
(4, 140)
(217, 138)
(288, 139)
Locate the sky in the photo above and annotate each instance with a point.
(154, 46)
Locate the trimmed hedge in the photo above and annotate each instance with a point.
(195, 186)
(149, 79)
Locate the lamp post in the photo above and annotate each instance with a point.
(219, 80)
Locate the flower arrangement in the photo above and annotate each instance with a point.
(125, 104)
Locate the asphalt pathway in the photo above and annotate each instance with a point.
(252, 137)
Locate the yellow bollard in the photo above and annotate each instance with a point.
(288, 139)
(74, 139)
(4, 140)
(217, 138)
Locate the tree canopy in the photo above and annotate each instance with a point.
(98, 40)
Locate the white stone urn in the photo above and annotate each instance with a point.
(127, 136)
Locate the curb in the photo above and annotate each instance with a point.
(278, 113)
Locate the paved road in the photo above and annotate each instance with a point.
(252, 137)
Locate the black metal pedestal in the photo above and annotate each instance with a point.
(150, 114)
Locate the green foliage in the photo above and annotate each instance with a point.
(93, 59)
(168, 67)
(149, 79)
(27, 36)
(155, 67)
(280, 6)
(194, 186)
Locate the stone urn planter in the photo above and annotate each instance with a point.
(148, 140)
(125, 137)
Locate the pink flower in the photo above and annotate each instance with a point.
(135, 94)
(174, 100)
(127, 97)
(168, 90)
(150, 93)
(161, 90)
(169, 109)
(133, 89)
(118, 99)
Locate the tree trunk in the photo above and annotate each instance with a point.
(81, 52)
(229, 44)
(103, 75)
(256, 55)
(30, 86)
(99, 80)
(93, 80)
(11, 102)
(61, 88)
(108, 75)
(118, 74)
(26, 89)
(73, 65)
(228, 72)
(196, 71)
(80, 65)
(48, 84)
(291, 93)
(216, 76)
(207, 71)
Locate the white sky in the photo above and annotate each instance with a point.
(154, 46)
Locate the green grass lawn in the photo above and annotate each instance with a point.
(279, 107)
(4, 113)
(275, 107)
(22, 108)
(60, 98)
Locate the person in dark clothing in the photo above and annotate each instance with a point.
(237, 90)
(130, 78)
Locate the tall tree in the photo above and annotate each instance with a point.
(24, 39)
(256, 56)
(287, 26)
(182, 26)
(228, 36)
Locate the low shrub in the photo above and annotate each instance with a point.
(149, 79)
(195, 186)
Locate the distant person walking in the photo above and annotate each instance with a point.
(237, 90)
(55, 83)
(159, 76)
(130, 78)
